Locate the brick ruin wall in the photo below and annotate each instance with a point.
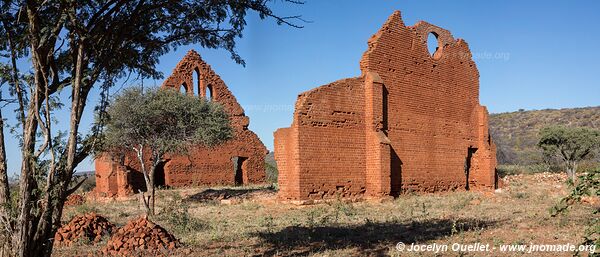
(411, 122)
(201, 166)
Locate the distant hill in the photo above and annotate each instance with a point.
(85, 173)
(270, 158)
(516, 133)
(271, 167)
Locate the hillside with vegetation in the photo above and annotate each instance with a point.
(516, 133)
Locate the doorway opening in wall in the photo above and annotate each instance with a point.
(468, 164)
(239, 167)
(159, 176)
(396, 176)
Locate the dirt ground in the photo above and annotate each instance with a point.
(248, 221)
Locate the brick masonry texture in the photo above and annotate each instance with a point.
(237, 161)
(411, 122)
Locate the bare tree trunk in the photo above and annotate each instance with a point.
(4, 196)
(568, 170)
(153, 197)
(38, 217)
(14, 82)
(14, 76)
(147, 178)
(6, 249)
(144, 201)
(4, 187)
(59, 178)
(571, 168)
(157, 159)
(27, 222)
(574, 173)
(23, 235)
(152, 189)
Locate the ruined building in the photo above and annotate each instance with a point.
(237, 161)
(411, 122)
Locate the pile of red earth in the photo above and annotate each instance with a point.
(140, 235)
(74, 200)
(89, 227)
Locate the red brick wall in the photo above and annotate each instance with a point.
(405, 125)
(106, 176)
(201, 166)
(289, 176)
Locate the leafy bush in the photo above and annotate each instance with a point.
(177, 217)
(272, 173)
(588, 186)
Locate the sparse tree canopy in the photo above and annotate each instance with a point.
(569, 145)
(164, 121)
(159, 122)
(74, 46)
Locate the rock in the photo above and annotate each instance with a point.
(117, 244)
(74, 200)
(81, 227)
(591, 200)
(141, 235)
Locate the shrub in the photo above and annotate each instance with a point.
(272, 173)
(177, 217)
(589, 185)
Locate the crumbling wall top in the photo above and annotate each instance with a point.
(448, 49)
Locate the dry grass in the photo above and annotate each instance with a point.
(259, 225)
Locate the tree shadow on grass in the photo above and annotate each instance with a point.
(212, 195)
(371, 239)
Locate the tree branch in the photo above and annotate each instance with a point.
(74, 188)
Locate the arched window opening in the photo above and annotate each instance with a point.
(183, 88)
(433, 45)
(209, 92)
(196, 81)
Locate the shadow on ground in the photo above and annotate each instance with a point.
(211, 195)
(370, 239)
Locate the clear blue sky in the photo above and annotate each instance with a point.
(530, 54)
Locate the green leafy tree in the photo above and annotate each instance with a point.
(158, 122)
(570, 145)
(75, 46)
